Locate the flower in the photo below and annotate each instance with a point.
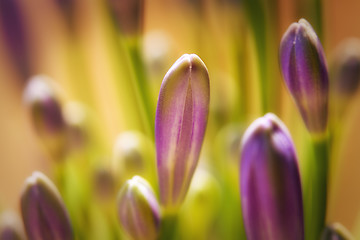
(46, 113)
(336, 231)
(270, 184)
(43, 211)
(138, 209)
(180, 123)
(305, 73)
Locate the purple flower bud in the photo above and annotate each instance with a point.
(270, 184)
(10, 227)
(336, 231)
(128, 15)
(138, 209)
(43, 211)
(46, 113)
(345, 68)
(181, 119)
(13, 26)
(305, 73)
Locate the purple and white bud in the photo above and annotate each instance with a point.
(180, 123)
(271, 196)
(139, 210)
(43, 211)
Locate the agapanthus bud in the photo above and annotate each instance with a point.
(345, 68)
(138, 209)
(43, 211)
(336, 231)
(14, 33)
(305, 73)
(46, 113)
(10, 227)
(180, 123)
(133, 154)
(128, 15)
(104, 183)
(200, 210)
(270, 184)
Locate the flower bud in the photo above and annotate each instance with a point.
(133, 154)
(200, 210)
(128, 15)
(270, 184)
(345, 68)
(336, 231)
(14, 34)
(104, 183)
(138, 209)
(46, 113)
(10, 227)
(305, 73)
(43, 211)
(180, 123)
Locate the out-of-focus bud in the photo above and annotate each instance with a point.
(336, 231)
(158, 48)
(43, 211)
(201, 206)
(345, 68)
(75, 116)
(128, 15)
(180, 123)
(138, 209)
(104, 183)
(10, 227)
(270, 184)
(45, 109)
(133, 154)
(12, 24)
(305, 73)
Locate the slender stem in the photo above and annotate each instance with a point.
(316, 197)
(168, 227)
(318, 19)
(141, 81)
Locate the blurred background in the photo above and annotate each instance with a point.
(93, 51)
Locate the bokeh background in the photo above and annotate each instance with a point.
(78, 45)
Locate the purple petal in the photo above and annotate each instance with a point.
(43, 211)
(271, 195)
(180, 124)
(305, 73)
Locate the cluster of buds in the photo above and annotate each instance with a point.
(270, 184)
(180, 125)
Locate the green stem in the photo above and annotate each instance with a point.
(168, 227)
(318, 19)
(316, 197)
(141, 81)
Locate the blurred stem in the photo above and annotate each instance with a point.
(137, 67)
(316, 198)
(168, 227)
(256, 15)
(318, 19)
